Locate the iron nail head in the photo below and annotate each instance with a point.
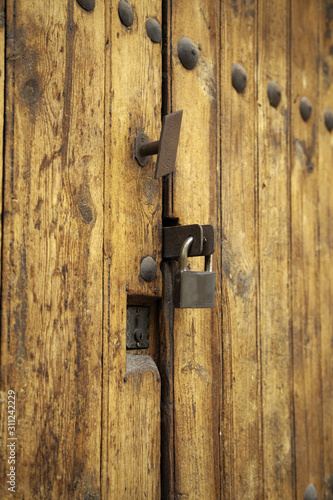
(274, 93)
(305, 108)
(187, 53)
(238, 78)
(154, 30)
(125, 12)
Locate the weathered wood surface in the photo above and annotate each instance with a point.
(274, 320)
(325, 151)
(2, 106)
(196, 347)
(306, 242)
(132, 230)
(242, 465)
(247, 403)
(52, 245)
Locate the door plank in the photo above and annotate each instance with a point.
(132, 221)
(196, 339)
(196, 194)
(52, 241)
(325, 149)
(306, 230)
(241, 435)
(274, 250)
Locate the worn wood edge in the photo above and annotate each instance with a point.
(165, 363)
(139, 364)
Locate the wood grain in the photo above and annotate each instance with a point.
(2, 106)
(305, 238)
(241, 436)
(325, 151)
(197, 333)
(132, 222)
(274, 251)
(52, 242)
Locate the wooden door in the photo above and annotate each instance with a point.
(232, 402)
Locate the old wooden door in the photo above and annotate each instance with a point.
(232, 402)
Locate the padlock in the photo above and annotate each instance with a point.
(193, 289)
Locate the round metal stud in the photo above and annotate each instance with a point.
(126, 13)
(187, 53)
(87, 4)
(239, 78)
(329, 119)
(274, 93)
(148, 269)
(154, 30)
(310, 493)
(305, 108)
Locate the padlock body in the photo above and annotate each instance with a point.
(194, 289)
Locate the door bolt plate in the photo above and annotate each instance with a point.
(137, 328)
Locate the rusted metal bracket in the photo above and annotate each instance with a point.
(165, 148)
(174, 236)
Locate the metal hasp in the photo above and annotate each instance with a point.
(165, 148)
(194, 289)
(137, 327)
(191, 289)
(174, 236)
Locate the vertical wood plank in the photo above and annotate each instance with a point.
(2, 107)
(325, 149)
(52, 241)
(132, 221)
(197, 333)
(241, 436)
(274, 250)
(306, 230)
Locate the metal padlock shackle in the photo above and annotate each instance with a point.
(183, 256)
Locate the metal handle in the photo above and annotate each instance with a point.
(165, 148)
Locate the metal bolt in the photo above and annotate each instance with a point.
(126, 13)
(305, 108)
(238, 78)
(148, 269)
(329, 119)
(87, 4)
(154, 30)
(187, 53)
(274, 93)
(138, 335)
(310, 493)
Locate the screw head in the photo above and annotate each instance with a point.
(305, 108)
(126, 13)
(238, 78)
(187, 53)
(154, 30)
(148, 269)
(274, 93)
